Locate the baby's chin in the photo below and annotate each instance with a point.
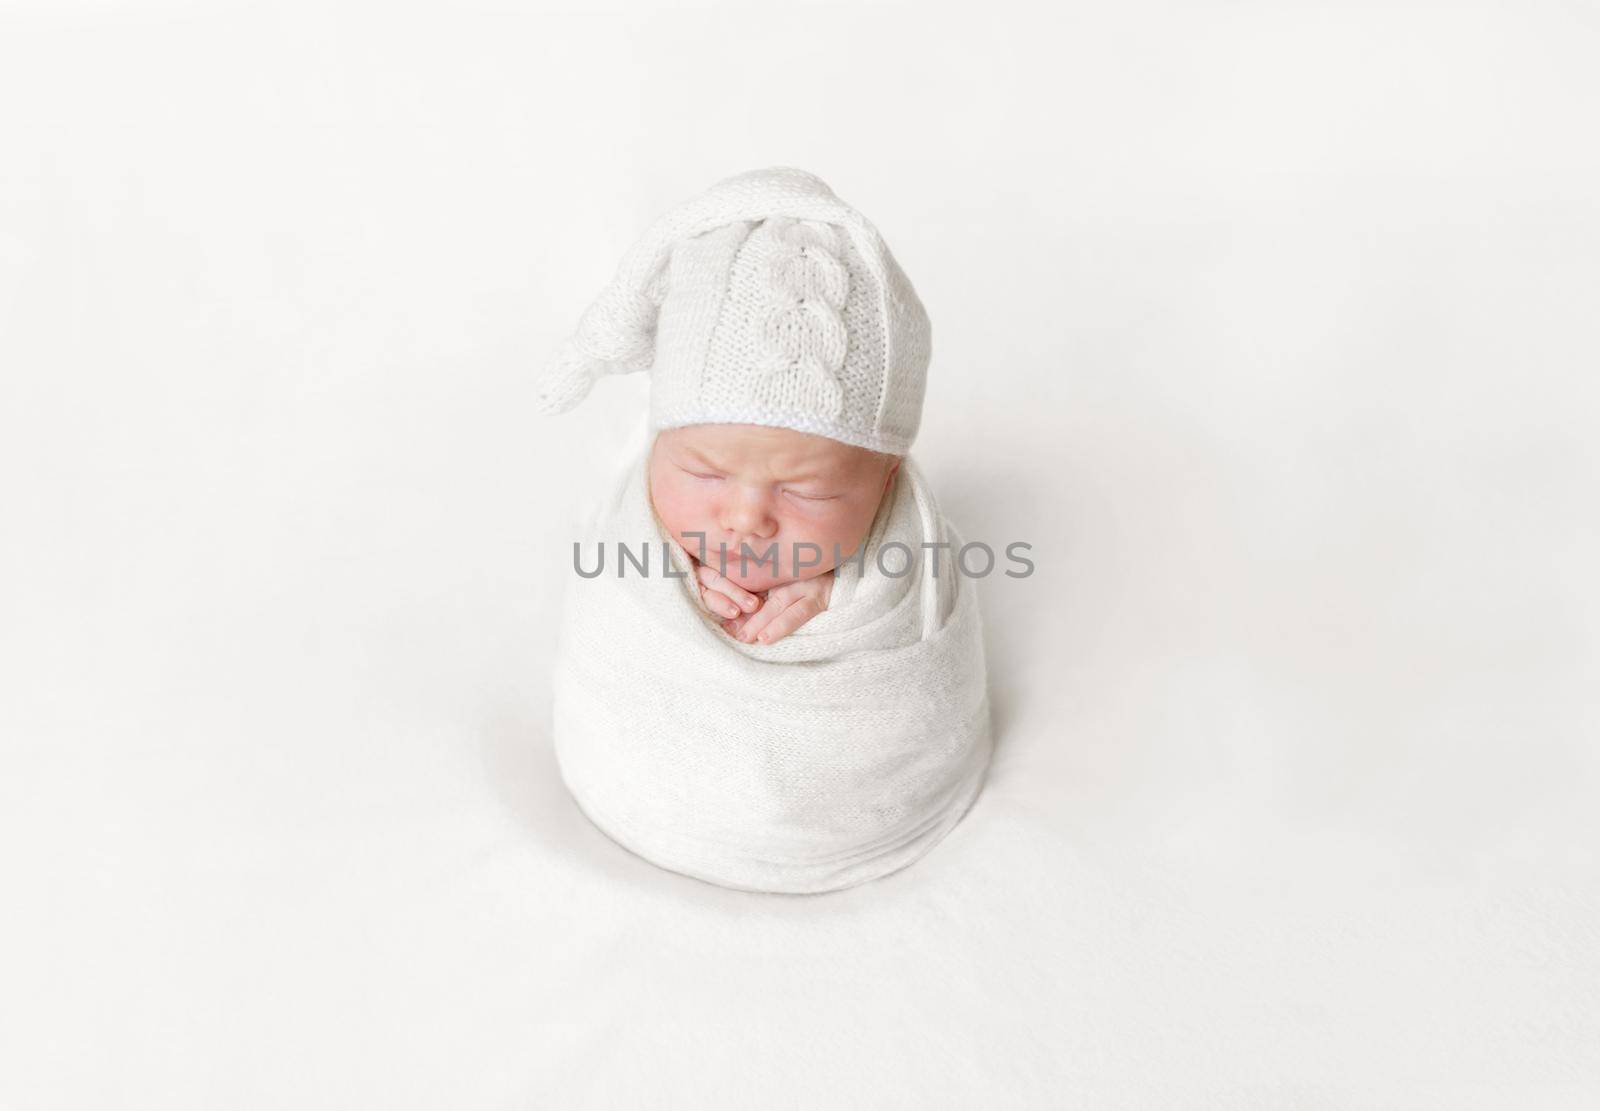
(755, 580)
(760, 579)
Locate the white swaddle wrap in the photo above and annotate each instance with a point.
(839, 754)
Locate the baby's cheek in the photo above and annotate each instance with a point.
(845, 530)
(678, 514)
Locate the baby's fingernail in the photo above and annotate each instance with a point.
(749, 605)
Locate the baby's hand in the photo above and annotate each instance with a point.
(721, 594)
(785, 609)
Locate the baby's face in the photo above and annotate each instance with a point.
(745, 483)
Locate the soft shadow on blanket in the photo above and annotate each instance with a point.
(519, 763)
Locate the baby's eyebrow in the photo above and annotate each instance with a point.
(804, 471)
(699, 456)
(800, 474)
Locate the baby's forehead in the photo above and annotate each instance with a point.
(777, 449)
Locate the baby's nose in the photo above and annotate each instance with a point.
(748, 514)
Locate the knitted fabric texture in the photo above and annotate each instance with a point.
(765, 300)
(838, 754)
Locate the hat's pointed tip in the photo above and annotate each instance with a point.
(567, 381)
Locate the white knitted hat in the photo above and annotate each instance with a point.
(765, 300)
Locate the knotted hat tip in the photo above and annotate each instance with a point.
(566, 380)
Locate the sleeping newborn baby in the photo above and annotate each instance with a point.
(782, 710)
(765, 514)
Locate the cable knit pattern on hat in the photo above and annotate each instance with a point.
(803, 329)
(765, 300)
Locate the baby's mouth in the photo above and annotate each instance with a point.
(749, 571)
(746, 554)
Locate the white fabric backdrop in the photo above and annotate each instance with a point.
(1272, 328)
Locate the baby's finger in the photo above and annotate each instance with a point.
(751, 624)
(788, 620)
(737, 625)
(716, 580)
(719, 604)
(756, 624)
